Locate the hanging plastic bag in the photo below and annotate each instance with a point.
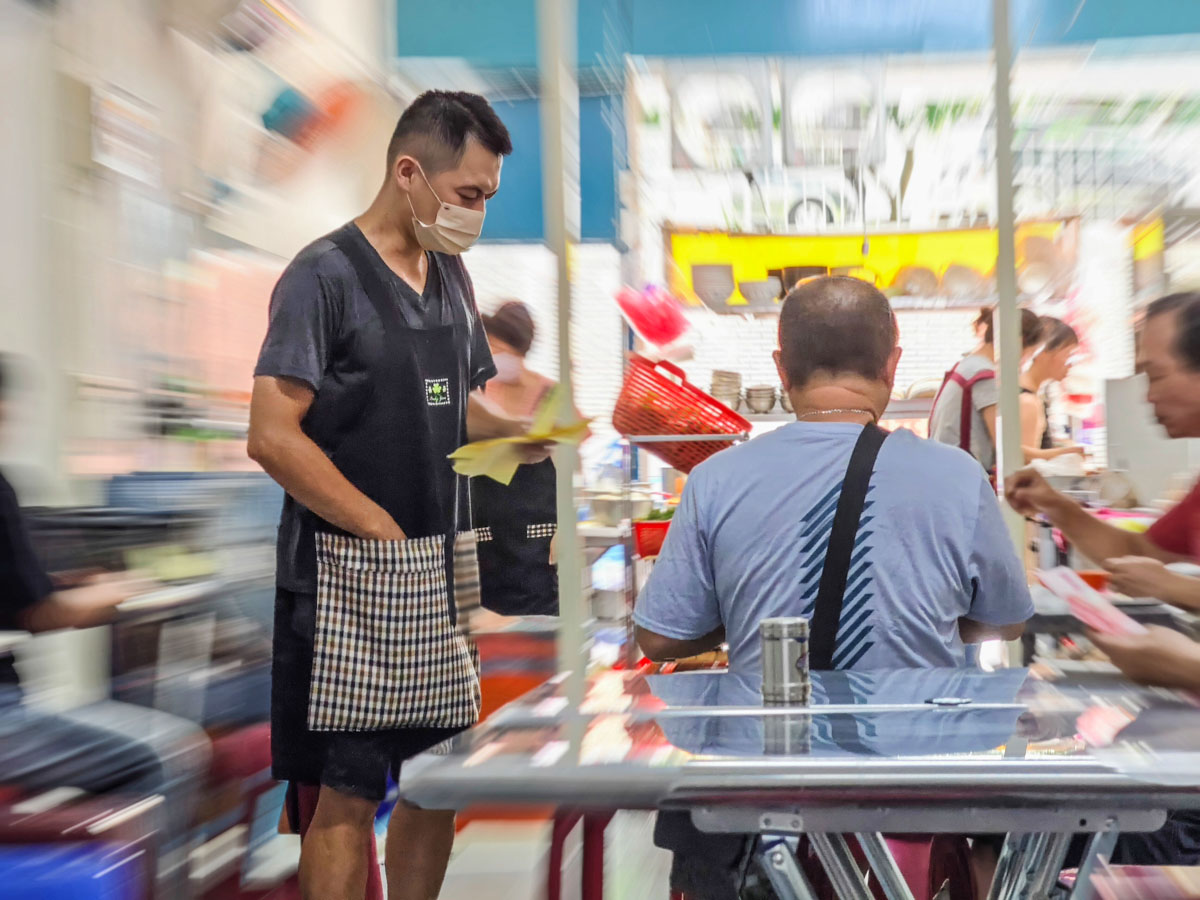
(653, 313)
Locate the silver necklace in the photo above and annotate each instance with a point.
(838, 412)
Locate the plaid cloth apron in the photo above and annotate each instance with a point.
(387, 651)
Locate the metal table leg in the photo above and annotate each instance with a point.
(839, 863)
(883, 865)
(1029, 866)
(1099, 849)
(777, 857)
(1007, 867)
(1035, 853)
(1044, 877)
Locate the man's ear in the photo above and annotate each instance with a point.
(783, 378)
(404, 170)
(892, 364)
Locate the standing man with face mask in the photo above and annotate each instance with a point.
(367, 379)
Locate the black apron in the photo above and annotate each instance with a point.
(404, 422)
(396, 453)
(515, 524)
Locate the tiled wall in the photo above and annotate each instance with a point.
(933, 340)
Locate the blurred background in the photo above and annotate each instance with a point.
(162, 160)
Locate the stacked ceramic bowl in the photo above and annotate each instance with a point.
(714, 285)
(761, 398)
(785, 401)
(727, 388)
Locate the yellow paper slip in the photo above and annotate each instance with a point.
(499, 458)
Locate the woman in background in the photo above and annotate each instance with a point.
(964, 411)
(516, 522)
(1051, 363)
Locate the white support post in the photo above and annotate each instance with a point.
(559, 103)
(1008, 319)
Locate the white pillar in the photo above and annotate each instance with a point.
(32, 326)
(561, 211)
(1008, 320)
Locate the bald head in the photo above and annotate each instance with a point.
(835, 327)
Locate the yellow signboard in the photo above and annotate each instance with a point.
(754, 256)
(1148, 239)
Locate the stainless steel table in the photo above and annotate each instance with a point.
(912, 751)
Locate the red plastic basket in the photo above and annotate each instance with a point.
(649, 536)
(654, 403)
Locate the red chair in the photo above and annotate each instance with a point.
(240, 776)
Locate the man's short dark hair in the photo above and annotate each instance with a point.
(436, 126)
(1186, 306)
(837, 325)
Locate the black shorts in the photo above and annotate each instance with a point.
(353, 762)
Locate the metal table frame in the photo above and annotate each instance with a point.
(1028, 867)
(839, 804)
(1096, 802)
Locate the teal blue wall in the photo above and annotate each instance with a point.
(502, 34)
(515, 213)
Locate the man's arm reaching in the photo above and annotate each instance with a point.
(278, 444)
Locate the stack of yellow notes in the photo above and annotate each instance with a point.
(498, 459)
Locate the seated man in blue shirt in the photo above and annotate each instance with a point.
(933, 567)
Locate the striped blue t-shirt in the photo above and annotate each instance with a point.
(748, 542)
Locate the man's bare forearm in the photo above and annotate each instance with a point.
(308, 475)
(1184, 592)
(1098, 540)
(660, 648)
(485, 421)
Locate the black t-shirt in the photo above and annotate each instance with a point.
(317, 309)
(23, 581)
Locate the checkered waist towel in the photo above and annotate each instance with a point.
(387, 651)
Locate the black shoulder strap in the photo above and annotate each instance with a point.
(368, 276)
(827, 613)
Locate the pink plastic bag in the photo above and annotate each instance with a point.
(653, 313)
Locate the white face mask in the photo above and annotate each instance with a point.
(454, 230)
(508, 368)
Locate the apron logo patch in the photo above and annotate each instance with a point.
(437, 391)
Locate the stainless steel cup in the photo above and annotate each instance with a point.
(785, 678)
(787, 734)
